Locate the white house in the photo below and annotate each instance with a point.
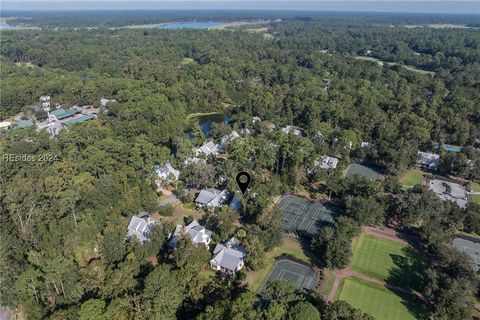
(328, 162)
(229, 137)
(291, 129)
(228, 258)
(104, 102)
(139, 227)
(197, 233)
(5, 125)
(211, 198)
(210, 149)
(427, 160)
(166, 174)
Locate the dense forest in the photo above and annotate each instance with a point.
(63, 222)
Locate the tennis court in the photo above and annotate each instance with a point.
(306, 217)
(362, 171)
(471, 248)
(288, 270)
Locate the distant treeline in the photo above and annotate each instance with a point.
(69, 19)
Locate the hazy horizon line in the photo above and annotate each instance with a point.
(359, 6)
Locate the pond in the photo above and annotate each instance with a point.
(190, 25)
(206, 122)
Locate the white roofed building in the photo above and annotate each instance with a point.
(166, 174)
(104, 102)
(211, 198)
(140, 226)
(197, 233)
(293, 130)
(210, 149)
(228, 258)
(229, 137)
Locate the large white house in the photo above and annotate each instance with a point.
(197, 233)
(210, 149)
(211, 198)
(328, 162)
(166, 174)
(140, 226)
(228, 258)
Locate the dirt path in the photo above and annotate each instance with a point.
(388, 234)
(339, 274)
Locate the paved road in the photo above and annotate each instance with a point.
(5, 313)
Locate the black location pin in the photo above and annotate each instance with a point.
(243, 180)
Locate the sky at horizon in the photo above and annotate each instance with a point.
(397, 6)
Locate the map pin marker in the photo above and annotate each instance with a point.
(243, 180)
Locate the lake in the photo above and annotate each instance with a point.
(190, 25)
(6, 27)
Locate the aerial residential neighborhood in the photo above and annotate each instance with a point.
(258, 160)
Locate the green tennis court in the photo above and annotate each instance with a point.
(362, 171)
(306, 217)
(286, 269)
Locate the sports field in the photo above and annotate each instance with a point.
(362, 171)
(305, 217)
(380, 302)
(387, 260)
(469, 247)
(289, 270)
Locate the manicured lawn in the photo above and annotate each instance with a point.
(475, 187)
(255, 279)
(411, 178)
(380, 302)
(476, 198)
(387, 260)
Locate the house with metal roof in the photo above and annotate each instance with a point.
(211, 198)
(140, 226)
(228, 258)
(166, 174)
(427, 160)
(61, 113)
(229, 137)
(197, 233)
(80, 119)
(210, 149)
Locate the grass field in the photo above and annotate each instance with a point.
(380, 302)
(411, 178)
(475, 187)
(390, 261)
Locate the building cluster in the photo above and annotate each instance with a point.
(227, 258)
(56, 118)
